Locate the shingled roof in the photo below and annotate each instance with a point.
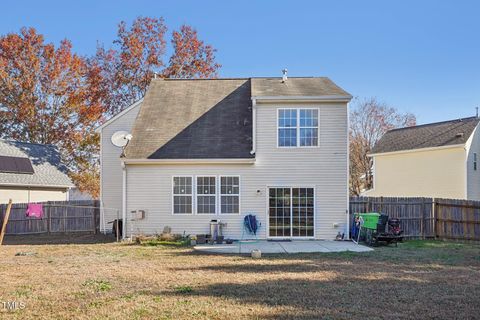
(48, 169)
(430, 135)
(208, 118)
(319, 86)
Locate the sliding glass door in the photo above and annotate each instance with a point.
(291, 212)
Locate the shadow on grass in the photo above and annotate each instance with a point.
(55, 239)
(347, 297)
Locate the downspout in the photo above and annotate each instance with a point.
(124, 199)
(348, 174)
(254, 126)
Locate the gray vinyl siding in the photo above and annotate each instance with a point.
(111, 169)
(473, 176)
(149, 187)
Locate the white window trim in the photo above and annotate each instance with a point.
(267, 212)
(192, 195)
(220, 195)
(216, 195)
(298, 128)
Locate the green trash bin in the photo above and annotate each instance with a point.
(370, 220)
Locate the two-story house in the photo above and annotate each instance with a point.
(224, 148)
(438, 160)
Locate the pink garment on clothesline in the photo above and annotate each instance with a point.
(34, 210)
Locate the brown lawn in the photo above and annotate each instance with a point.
(427, 280)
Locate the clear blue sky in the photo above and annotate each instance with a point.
(418, 56)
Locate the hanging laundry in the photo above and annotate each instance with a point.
(34, 210)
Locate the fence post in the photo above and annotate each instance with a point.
(49, 218)
(94, 215)
(422, 221)
(466, 229)
(65, 220)
(435, 217)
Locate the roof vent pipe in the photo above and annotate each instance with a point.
(284, 77)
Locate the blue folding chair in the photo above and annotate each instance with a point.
(250, 226)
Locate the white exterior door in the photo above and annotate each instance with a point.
(291, 212)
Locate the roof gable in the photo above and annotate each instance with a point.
(440, 134)
(185, 119)
(118, 115)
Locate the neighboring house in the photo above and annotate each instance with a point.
(430, 160)
(225, 148)
(31, 172)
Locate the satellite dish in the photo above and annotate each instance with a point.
(121, 138)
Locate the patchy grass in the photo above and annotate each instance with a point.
(431, 279)
(173, 243)
(183, 289)
(98, 285)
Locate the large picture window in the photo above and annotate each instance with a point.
(182, 195)
(229, 195)
(298, 127)
(206, 195)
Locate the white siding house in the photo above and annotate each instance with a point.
(111, 165)
(283, 144)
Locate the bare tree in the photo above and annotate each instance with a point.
(369, 120)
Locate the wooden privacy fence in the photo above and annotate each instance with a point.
(423, 218)
(457, 219)
(58, 217)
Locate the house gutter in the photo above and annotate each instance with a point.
(188, 161)
(416, 150)
(347, 233)
(254, 126)
(327, 98)
(43, 186)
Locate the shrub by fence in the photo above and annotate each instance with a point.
(58, 217)
(423, 218)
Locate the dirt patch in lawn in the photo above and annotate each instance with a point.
(431, 280)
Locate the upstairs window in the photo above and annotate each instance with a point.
(298, 127)
(475, 161)
(287, 128)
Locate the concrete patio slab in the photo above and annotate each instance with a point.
(295, 246)
(340, 246)
(303, 246)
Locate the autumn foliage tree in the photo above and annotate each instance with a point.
(191, 57)
(51, 95)
(369, 120)
(48, 95)
(139, 52)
